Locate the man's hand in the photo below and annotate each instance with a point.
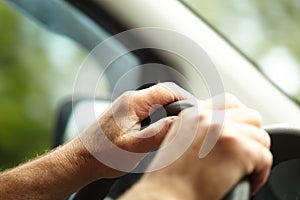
(116, 139)
(121, 122)
(242, 149)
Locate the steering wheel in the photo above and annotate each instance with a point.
(285, 145)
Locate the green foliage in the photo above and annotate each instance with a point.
(30, 88)
(280, 21)
(24, 114)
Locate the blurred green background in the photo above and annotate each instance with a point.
(38, 68)
(267, 31)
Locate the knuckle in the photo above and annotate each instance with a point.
(255, 113)
(268, 140)
(203, 117)
(256, 117)
(239, 150)
(230, 142)
(170, 84)
(127, 98)
(215, 129)
(249, 158)
(265, 138)
(127, 94)
(232, 101)
(246, 116)
(231, 97)
(268, 159)
(270, 163)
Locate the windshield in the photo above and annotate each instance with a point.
(267, 32)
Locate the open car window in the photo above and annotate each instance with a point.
(267, 32)
(37, 70)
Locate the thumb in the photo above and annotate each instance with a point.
(160, 94)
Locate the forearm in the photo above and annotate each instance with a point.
(167, 188)
(53, 176)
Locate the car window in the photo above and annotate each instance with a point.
(37, 70)
(41, 57)
(265, 31)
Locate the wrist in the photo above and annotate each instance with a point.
(80, 161)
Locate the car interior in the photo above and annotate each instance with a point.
(90, 23)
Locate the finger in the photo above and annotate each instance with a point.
(246, 123)
(253, 158)
(262, 171)
(256, 160)
(223, 101)
(152, 136)
(160, 94)
(248, 131)
(244, 115)
(179, 91)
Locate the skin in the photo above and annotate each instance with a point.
(242, 149)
